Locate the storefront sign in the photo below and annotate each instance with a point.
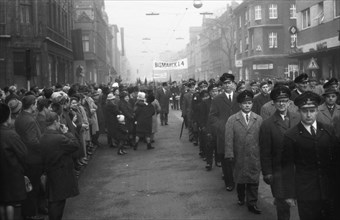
(238, 63)
(263, 66)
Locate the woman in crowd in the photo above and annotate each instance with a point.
(12, 156)
(127, 110)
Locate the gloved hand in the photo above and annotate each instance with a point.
(268, 179)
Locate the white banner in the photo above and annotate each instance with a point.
(174, 65)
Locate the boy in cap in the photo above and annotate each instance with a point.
(242, 147)
(307, 161)
(271, 144)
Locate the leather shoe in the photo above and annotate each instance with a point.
(229, 188)
(254, 209)
(240, 202)
(208, 167)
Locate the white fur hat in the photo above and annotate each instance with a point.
(141, 96)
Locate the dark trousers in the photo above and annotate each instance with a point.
(164, 117)
(248, 191)
(31, 203)
(227, 168)
(56, 210)
(176, 103)
(210, 149)
(314, 210)
(203, 140)
(282, 209)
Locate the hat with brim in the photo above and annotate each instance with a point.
(246, 95)
(110, 96)
(307, 100)
(301, 78)
(330, 91)
(280, 92)
(15, 105)
(227, 77)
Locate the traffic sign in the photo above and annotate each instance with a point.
(313, 65)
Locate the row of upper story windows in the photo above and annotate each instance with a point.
(315, 15)
(272, 13)
(272, 42)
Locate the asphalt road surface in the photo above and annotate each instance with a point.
(168, 182)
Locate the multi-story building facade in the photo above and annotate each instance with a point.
(318, 38)
(262, 40)
(193, 54)
(35, 42)
(91, 18)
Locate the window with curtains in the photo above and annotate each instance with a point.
(273, 11)
(25, 9)
(86, 43)
(258, 12)
(272, 40)
(306, 18)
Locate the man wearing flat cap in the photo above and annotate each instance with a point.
(307, 162)
(271, 144)
(242, 146)
(222, 107)
(301, 82)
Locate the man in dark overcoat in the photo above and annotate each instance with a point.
(58, 147)
(111, 111)
(175, 95)
(301, 82)
(28, 129)
(307, 160)
(261, 98)
(222, 107)
(186, 109)
(163, 96)
(271, 145)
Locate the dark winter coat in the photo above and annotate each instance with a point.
(58, 163)
(259, 101)
(28, 129)
(110, 112)
(163, 99)
(12, 161)
(143, 117)
(307, 163)
(271, 146)
(127, 110)
(221, 109)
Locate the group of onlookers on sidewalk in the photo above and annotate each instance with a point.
(289, 131)
(47, 136)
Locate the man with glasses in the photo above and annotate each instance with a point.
(307, 162)
(301, 83)
(222, 107)
(271, 144)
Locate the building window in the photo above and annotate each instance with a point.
(258, 12)
(292, 11)
(252, 41)
(273, 11)
(293, 40)
(246, 17)
(86, 43)
(320, 16)
(305, 18)
(25, 12)
(337, 8)
(240, 46)
(272, 40)
(247, 44)
(240, 22)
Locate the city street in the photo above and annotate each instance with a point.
(169, 182)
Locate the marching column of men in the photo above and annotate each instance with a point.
(270, 132)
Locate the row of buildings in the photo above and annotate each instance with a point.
(259, 39)
(58, 41)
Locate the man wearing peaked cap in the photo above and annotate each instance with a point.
(307, 162)
(271, 144)
(241, 136)
(333, 82)
(222, 107)
(301, 83)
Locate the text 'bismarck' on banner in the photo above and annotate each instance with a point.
(173, 65)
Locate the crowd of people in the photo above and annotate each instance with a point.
(48, 135)
(287, 130)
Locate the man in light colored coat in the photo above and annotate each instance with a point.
(242, 145)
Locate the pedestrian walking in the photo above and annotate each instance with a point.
(163, 96)
(242, 147)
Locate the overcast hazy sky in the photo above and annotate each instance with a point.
(174, 19)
